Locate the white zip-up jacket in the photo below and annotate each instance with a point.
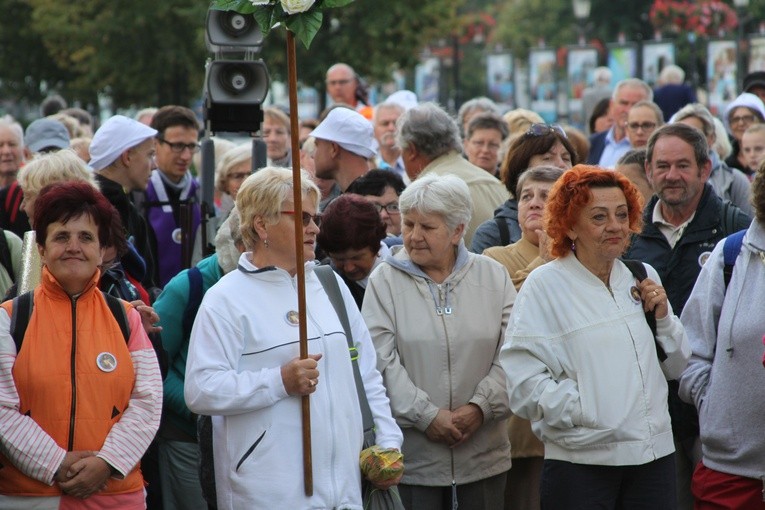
(242, 336)
(437, 348)
(582, 365)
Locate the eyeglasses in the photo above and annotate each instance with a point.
(545, 129)
(332, 83)
(645, 126)
(492, 146)
(389, 208)
(307, 217)
(178, 147)
(746, 119)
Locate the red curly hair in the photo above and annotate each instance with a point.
(571, 193)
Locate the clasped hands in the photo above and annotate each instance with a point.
(82, 474)
(455, 427)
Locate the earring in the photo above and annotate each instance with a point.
(265, 242)
(573, 246)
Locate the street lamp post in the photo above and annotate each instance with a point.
(741, 9)
(581, 13)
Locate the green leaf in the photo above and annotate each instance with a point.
(329, 4)
(264, 16)
(240, 6)
(305, 26)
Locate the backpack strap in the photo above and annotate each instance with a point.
(5, 255)
(327, 278)
(117, 308)
(504, 230)
(729, 217)
(24, 304)
(638, 270)
(731, 249)
(195, 299)
(22, 311)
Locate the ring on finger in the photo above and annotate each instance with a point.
(655, 292)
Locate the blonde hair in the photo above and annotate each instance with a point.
(62, 166)
(263, 193)
(274, 114)
(232, 158)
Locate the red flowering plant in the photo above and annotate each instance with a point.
(707, 18)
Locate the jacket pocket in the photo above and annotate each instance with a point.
(249, 451)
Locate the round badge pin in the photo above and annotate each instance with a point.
(703, 258)
(176, 235)
(292, 318)
(635, 294)
(106, 361)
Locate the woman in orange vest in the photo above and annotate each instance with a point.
(80, 387)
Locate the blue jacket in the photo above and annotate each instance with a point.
(171, 306)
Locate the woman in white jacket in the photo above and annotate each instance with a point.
(243, 366)
(581, 360)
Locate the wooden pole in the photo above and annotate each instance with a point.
(300, 274)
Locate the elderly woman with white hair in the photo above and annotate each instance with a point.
(243, 365)
(230, 172)
(437, 315)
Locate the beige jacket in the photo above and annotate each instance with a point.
(437, 348)
(485, 189)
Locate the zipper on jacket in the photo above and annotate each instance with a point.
(451, 393)
(73, 375)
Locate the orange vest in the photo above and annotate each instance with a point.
(66, 384)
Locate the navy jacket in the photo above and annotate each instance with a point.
(679, 267)
(597, 144)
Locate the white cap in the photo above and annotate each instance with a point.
(350, 130)
(406, 99)
(114, 137)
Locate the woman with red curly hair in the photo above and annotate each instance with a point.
(581, 359)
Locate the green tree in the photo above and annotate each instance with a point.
(373, 37)
(139, 51)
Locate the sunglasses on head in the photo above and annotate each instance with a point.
(545, 129)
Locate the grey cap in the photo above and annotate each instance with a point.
(46, 133)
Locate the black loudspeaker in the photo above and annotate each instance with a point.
(234, 91)
(231, 31)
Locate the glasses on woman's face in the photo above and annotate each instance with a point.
(391, 208)
(545, 129)
(645, 126)
(746, 119)
(307, 217)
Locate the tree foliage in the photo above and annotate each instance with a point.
(144, 52)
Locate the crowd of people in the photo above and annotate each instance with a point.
(534, 317)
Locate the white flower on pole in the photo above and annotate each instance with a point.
(296, 6)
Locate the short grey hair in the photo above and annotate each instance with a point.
(263, 193)
(602, 75)
(699, 111)
(444, 195)
(672, 74)
(478, 104)
(429, 129)
(541, 173)
(633, 83)
(386, 106)
(15, 128)
(231, 159)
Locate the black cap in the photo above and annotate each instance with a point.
(755, 79)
